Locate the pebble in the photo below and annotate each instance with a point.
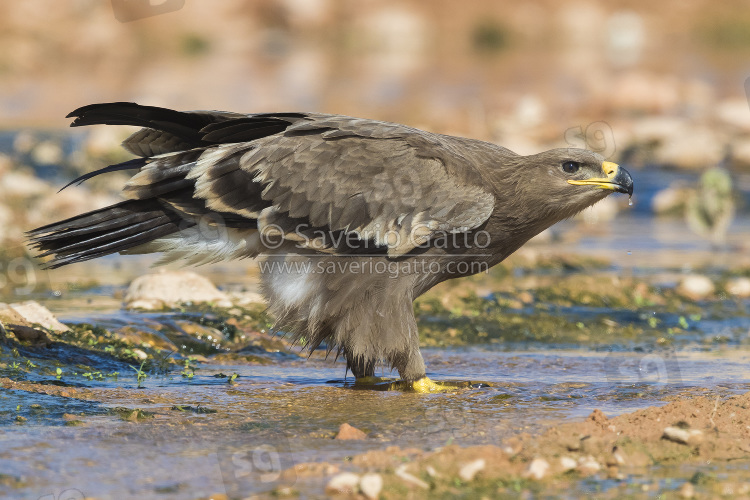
(172, 288)
(739, 287)
(683, 436)
(346, 482)
(140, 354)
(588, 465)
(471, 469)
(568, 463)
(347, 432)
(537, 469)
(696, 287)
(370, 485)
(33, 312)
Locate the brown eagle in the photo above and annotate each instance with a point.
(353, 218)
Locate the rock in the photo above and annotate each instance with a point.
(47, 153)
(615, 459)
(694, 147)
(28, 334)
(671, 200)
(733, 112)
(588, 465)
(370, 485)
(695, 287)
(245, 298)
(171, 289)
(739, 287)
(140, 354)
(687, 490)
(21, 185)
(347, 432)
(346, 483)
(567, 463)
(30, 313)
(526, 297)
(683, 436)
(537, 469)
(471, 469)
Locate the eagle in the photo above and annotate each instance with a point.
(351, 219)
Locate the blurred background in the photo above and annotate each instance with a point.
(656, 86)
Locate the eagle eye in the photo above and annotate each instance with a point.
(571, 167)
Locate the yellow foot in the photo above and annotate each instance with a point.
(425, 386)
(371, 380)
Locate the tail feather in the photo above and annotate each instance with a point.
(162, 196)
(106, 231)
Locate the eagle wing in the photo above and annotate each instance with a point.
(380, 182)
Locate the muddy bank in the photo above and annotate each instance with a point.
(693, 447)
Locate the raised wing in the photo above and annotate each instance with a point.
(381, 182)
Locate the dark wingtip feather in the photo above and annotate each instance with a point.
(98, 106)
(134, 164)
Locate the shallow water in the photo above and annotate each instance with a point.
(275, 416)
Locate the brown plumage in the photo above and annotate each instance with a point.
(353, 218)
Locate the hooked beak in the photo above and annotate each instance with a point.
(617, 179)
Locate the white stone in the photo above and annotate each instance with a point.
(696, 286)
(172, 288)
(140, 354)
(739, 287)
(588, 465)
(47, 153)
(683, 436)
(671, 200)
(346, 482)
(537, 469)
(687, 490)
(35, 313)
(568, 463)
(471, 469)
(370, 485)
